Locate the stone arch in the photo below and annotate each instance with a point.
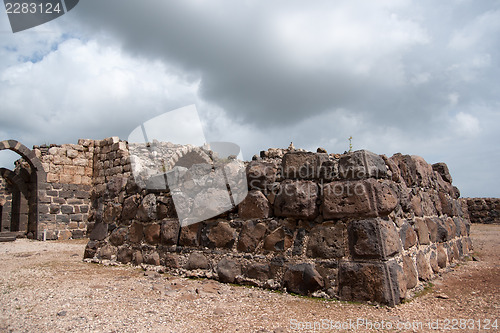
(191, 158)
(37, 184)
(188, 156)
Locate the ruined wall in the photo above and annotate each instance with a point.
(64, 200)
(356, 226)
(5, 204)
(483, 210)
(14, 211)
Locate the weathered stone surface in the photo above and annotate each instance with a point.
(442, 256)
(422, 231)
(124, 255)
(326, 241)
(99, 232)
(364, 239)
(147, 208)
(90, 249)
(398, 281)
(254, 206)
(434, 262)
(118, 236)
(416, 205)
(432, 227)
(403, 194)
(152, 258)
(260, 175)
(373, 238)
(393, 173)
(410, 272)
(165, 208)
(414, 170)
(258, 271)
(442, 169)
(77, 234)
(197, 260)
(446, 203)
(170, 260)
(362, 164)
(189, 235)
(131, 186)
(423, 267)
(302, 279)
(251, 235)
(107, 252)
(429, 208)
(297, 199)
(169, 231)
(152, 233)
(346, 199)
(451, 227)
(443, 229)
(130, 206)
(115, 185)
(465, 246)
(64, 235)
(211, 202)
(365, 282)
(390, 238)
(408, 236)
(298, 243)
(220, 235)
(228, 270)
(137, 258)
(453, 252)
(135, 232)
(460, 227)
(278, 240)
(365, 198)
(303, 165)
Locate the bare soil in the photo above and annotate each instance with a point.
(46, 287)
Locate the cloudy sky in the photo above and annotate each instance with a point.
(416, 77)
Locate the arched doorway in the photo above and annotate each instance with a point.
(34, 179)
(18, 215)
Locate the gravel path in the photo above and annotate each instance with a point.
(45, 287)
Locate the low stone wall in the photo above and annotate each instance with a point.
(357, 226)
(483, 210)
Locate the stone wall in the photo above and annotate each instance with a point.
(5, 204)
(14, 207)
(483, 210)
(357, 226)
(64, 200)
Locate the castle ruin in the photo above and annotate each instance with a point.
(356, 226)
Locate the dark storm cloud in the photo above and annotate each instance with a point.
(418, 77)
(279, 62)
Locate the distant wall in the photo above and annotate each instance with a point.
(483, 210)
(357, 226)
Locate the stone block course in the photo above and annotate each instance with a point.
(364, 198)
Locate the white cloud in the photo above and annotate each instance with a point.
(84, 88)
(476, 32)
(466, 124)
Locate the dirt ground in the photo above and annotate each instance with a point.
(46, 287)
